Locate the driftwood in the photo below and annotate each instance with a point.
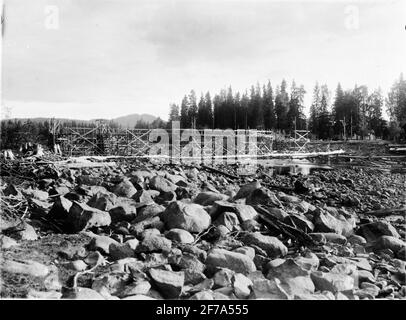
(226, 174)
(295, 234)
(387, 212)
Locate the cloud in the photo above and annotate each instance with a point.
(139, 56)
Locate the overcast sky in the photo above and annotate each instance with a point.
(108, 58)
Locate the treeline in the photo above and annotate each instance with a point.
(357, 113)
(15, 132)
(260, 108)
(354, 113)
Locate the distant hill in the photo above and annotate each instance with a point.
(130, 120)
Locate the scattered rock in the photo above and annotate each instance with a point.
(207, 198)
(388, 242)
(28, 267)
(7, 242)
(248, 251)
(247, 189)
(333, 282)
(228, 220)
(372, 231)
(102, 244)
(170, 283)
(36, 194)
(355, 239)
(223, 277)
(60, 208)
(271, 245)
(125, 189)
(82, 217)
(153, 243)
(162, 185)
(125, 210)
(294, 279)
(103, 200)
(242, 286)
(77, 265)
(330, 237)
(43, 295)
(94, 258)
(325, 222)
(83, 294)
(180, 235)
(121, 251)
(263, 196)
(278, 213)
(232, 260)
(25, 231)
(265, 289)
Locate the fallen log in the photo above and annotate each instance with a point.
(295, 234)
(387, 212)
(226, 174)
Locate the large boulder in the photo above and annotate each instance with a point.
(247, 189)
(190, 217)
(271, 245)
(82, 217)
(238, 262)
(326, 222)
(388, 242)
(372, 231)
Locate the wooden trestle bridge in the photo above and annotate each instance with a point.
(103, 139)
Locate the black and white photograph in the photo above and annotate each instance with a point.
(175, 151)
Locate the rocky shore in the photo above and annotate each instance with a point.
(148, 231)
